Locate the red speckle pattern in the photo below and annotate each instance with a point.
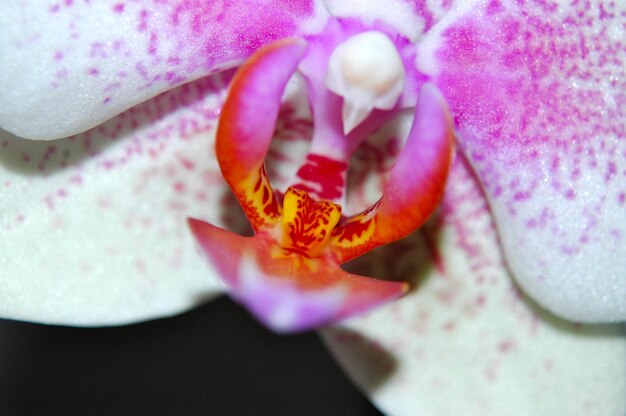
(356, 227)
(311, 225)
(322, 177)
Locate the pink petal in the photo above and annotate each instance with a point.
(538, 95)
(467, 341)
(75, 64)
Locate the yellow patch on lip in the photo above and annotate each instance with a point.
(307, 224)
(358, 230)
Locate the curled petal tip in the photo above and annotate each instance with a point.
(247, 124)
(414, 187)
(285, 304)
(222, 249)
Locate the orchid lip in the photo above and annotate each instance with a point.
(292, 263)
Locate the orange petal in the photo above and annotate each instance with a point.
(414, 187)
(247, 125)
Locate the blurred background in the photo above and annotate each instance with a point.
(213, 360)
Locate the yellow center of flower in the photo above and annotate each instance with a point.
(307, 224)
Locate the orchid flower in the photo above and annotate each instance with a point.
(94, 225)
(288, 274)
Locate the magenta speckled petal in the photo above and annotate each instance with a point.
(538, 95)
(93, 227)
(67, 66)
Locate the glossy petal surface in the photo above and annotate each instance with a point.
(538, 95)
(93, 227)
(78, 63)
(467, 341)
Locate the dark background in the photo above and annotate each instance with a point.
(214, 360)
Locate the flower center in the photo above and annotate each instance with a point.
(307, 224)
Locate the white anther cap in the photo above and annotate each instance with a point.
(367, 71)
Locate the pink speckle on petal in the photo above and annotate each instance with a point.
(505, 346)
(140, 265)
(201, 196)
(153, 44)
(104, 202)
(187, 163)
(143, 20)
(174, 60)
(449, 326)
(480, 299)
(98, 50)
(180, 187)
(494, 6)
(61, 74)
(48, 200)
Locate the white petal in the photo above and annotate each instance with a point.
(466, 342)
(94, 226)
